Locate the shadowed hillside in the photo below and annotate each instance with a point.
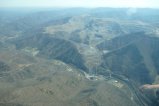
(132, 55)
(53, 48)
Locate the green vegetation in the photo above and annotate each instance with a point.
(62, 57)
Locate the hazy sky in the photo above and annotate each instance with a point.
(79, 3)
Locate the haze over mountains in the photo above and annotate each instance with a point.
(78, 57)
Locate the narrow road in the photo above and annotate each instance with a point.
(140, 98)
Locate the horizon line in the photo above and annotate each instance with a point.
(63, 7)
